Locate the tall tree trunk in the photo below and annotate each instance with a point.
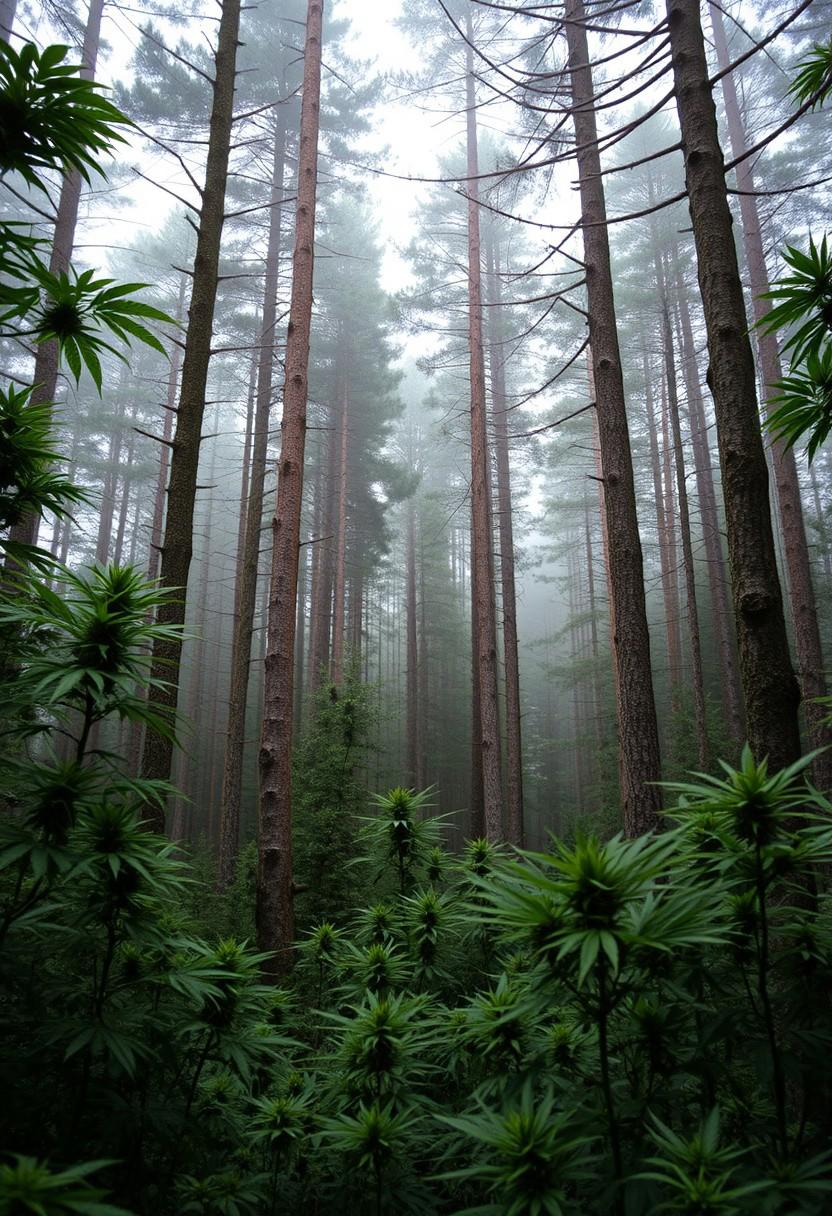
(245, 473)
(339, 597)
(274, 904)
(164, 456)
(703, 758)
(413, 743)
(821, 524)
(177, 547)
(476, 810)
(199, 669)
(505, 531)
(770, 690)
(711, 532)
(137, 524)
(126, 486)
(316, 566)
(578, 740)
(422, 699)
(638, 736)
(482, 560)
(597, 699)
(246, 589)
(801, 590)
(664, 523)
(45, 377)
(300, 635)
(320, 631)
(110, 486)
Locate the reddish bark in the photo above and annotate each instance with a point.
(640, 764)
(505, 532)
(275, 894)
(482, 563)
(787, 485)
(770, 689)
(249, 559)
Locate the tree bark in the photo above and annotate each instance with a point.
(505, 532)
(164, 455)
(787, 485)
(126, 485)
(770, 689)
(703, 758)
(664, 523)
(177, 547)
(108, 493)
(422, 700)
(245, 472)
(709, 515)
(482, 562)
(597, 699)
(640, 763)
(413, 743)
(320, 631)
(246, 590)
(274, 899)
(339, 605)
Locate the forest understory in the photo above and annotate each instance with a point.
(415, 595)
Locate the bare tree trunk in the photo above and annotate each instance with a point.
(245, 473)
(422, 699)
(45, 377)
(177, 548)
(193, 761)
(137, 524)
(413, 743)
(476, 810)
(597, 699)
(316, 569)
(821, 524)
(126, 485)
(771, 692)
(577, 734)
(703, 757)
(249, 562)
(482, 562)
(640, 764)
(711, 534)
(108, 494)
(300, 638)
(321, 624)
(801, 590)
(664, 523)
(275, 906)
(339, 597)
(505, 531)
(164, 456)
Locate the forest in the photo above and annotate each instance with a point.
(415, 602)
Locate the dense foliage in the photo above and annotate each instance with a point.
(624, 1026)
